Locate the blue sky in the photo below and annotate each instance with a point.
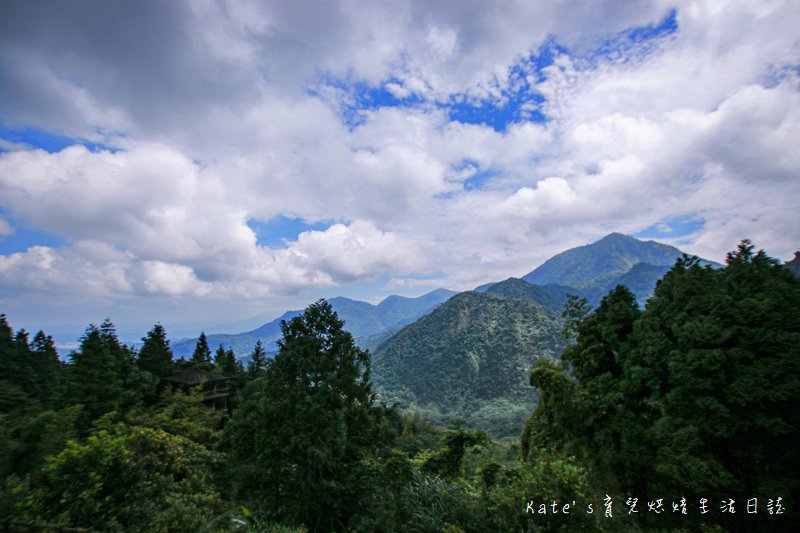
(201, 166)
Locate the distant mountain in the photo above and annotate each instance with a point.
(400, 310)
(794, 264)
(587, 267)
(615, 259)
(470, 358)
(366, 322)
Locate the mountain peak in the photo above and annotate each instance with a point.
(593, 264)
(617, 237)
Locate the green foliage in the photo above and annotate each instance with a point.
(225, 362)
(695, 395)
(446, 462)
(257, 364)
(26, 440)
(546, 476)
(575, 310)
(27, 368)
(87, 484)
(132, 478)
(435, 504)
(155, 355)
(473, 350)
(96, 375)
(201, 358)
(182, 414)
(47, 369)
(304, 432)
(103, 376)
(247, 520)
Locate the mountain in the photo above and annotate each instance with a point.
(470, 357)
(615, 259)
(366, 322)
(586, 267)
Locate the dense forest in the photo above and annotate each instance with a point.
(681, 416)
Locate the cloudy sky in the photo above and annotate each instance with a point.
(204, 163)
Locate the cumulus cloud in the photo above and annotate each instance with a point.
(220, 113)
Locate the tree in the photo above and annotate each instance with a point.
(719, 361)
(588, 420)
(155, 355)
(258, 361)
(129, 478)
(224, 360)
(201, 358)
(96, 374)
(25, 375)
(47, 368)
(695, 395)
(446, 462)
(6, 347)
(575, 310)
(103, 375)
(305, 433)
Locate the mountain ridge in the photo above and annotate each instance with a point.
(363, 320)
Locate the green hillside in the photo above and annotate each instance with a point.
(551, 296)
(470, 358)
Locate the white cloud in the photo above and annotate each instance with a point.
(225, 112)
(172, 279)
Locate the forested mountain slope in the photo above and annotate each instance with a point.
(473, 352)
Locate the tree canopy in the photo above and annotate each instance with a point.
(696, 395)
(316, 387)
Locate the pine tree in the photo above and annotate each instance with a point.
(7, 355)
(155, 355)
(103, 375)
(96, 375)
(47, 368)
(257, 363)
(15, 378)
(303, 432)
(23, 361)
(201, 358)
(221, 362)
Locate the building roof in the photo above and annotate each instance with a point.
(195, 377)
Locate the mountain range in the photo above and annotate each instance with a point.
(471, 357)
(589, 271)
(368, 323)
(468, 355)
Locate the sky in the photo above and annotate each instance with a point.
(210, 165)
